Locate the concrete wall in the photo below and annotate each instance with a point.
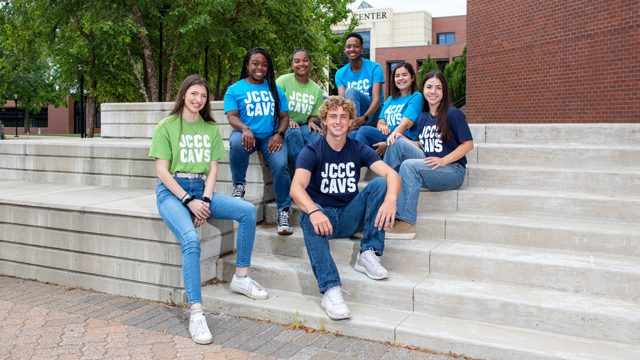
(574, 61)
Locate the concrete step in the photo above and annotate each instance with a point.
(594, 180)
(102, 232)
(558, 133)
(399, 255)
(596, 317)
(604, 275)
(609, 207)
(593, 237)
(481, 340)
(560, 155)
(295, 275)
(431, 224)
(367, 321)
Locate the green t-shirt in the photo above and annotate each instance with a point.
(304, 100)
(191, 150)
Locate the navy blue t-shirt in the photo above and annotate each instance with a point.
(334, 174)
(430, 139)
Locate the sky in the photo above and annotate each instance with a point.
(436, 8)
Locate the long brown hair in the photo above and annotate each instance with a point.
(414, 81)
(191, 80)
(443, 107)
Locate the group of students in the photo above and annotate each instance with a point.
(327, 142)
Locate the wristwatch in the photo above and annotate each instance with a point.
(281, 133)
(366, 117)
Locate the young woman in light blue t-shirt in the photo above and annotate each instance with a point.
(400, 112)
(258, 111)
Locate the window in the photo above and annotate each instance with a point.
(446, 38)
(8, 118)
(391, 66)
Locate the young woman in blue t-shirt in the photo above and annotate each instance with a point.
(436, 161)
(400, 112)
(258, 111)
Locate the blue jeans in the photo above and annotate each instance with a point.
(346, 221)
(370, 135)
(363, 102)
(278, 162)
(296, 139)
(178, 219)
(415, 174)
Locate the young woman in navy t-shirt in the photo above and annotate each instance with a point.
(436, 161)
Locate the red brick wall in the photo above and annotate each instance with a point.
(455, 24)
(412, 54)
(575, 61)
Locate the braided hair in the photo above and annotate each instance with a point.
(270, 79)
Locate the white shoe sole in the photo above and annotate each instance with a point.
(285, 231)
(408, 236)
(363, 270)
(333, 317)
(239, 291)
(201, 342)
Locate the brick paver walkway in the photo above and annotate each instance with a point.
(43, 321)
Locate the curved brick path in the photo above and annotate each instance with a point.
(43, 321)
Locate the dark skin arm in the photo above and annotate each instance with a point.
(249, 140)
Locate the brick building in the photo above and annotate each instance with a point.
(574, 61)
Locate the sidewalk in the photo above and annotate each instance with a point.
(43, 321)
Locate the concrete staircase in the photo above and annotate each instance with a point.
(537, 256)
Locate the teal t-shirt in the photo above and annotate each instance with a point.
(189, 147)
(395, 109)
(304, 99)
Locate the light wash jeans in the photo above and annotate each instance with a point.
(178, 219)
(296, 139)
(363, 102)
(278, 162)
(346, 221)
(406, 157)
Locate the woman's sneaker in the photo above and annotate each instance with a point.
(368, 263)
(247, 286)
(199, 330)
(401, 230)
(238, 191)
(284, 227)
(334, 304)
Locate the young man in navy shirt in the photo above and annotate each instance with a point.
(361, 82)
(325, 188)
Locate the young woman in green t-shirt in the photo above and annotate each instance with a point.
(187, 145)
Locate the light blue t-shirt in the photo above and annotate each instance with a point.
(255, 106)
(363, 80)
(395, 109)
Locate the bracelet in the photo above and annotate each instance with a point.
(312, 211)
(184, 196)
(188, 200)
(245, 129)
(450, 161)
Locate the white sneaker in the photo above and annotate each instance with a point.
(247, 286)
(369, 263)
(333, 302)
(199, 330)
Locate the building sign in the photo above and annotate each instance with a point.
(372, 16)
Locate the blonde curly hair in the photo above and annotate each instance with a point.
(333, 103)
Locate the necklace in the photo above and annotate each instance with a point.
(190, 127)
(432, 117)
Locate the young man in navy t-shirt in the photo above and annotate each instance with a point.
(325, 188)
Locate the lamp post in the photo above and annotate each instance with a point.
(83, 106)
(15, 101)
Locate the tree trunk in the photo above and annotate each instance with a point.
(26, 120)
(93, 115)
(141, 87)
(146, 51)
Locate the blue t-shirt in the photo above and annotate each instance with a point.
(363, 80)
(395, 109)
(334, 174)
(430, 139)
(255, 105)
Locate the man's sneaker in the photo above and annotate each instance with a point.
(238, 191)
(247, 286)
(199, 330)
(369, 263)
(333, 302)
(284, 227)
(401, 230)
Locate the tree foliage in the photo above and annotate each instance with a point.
(139, 50)
(456, 74)
(427, 66)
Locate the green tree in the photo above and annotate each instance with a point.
(427, 66)
(456, 74)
